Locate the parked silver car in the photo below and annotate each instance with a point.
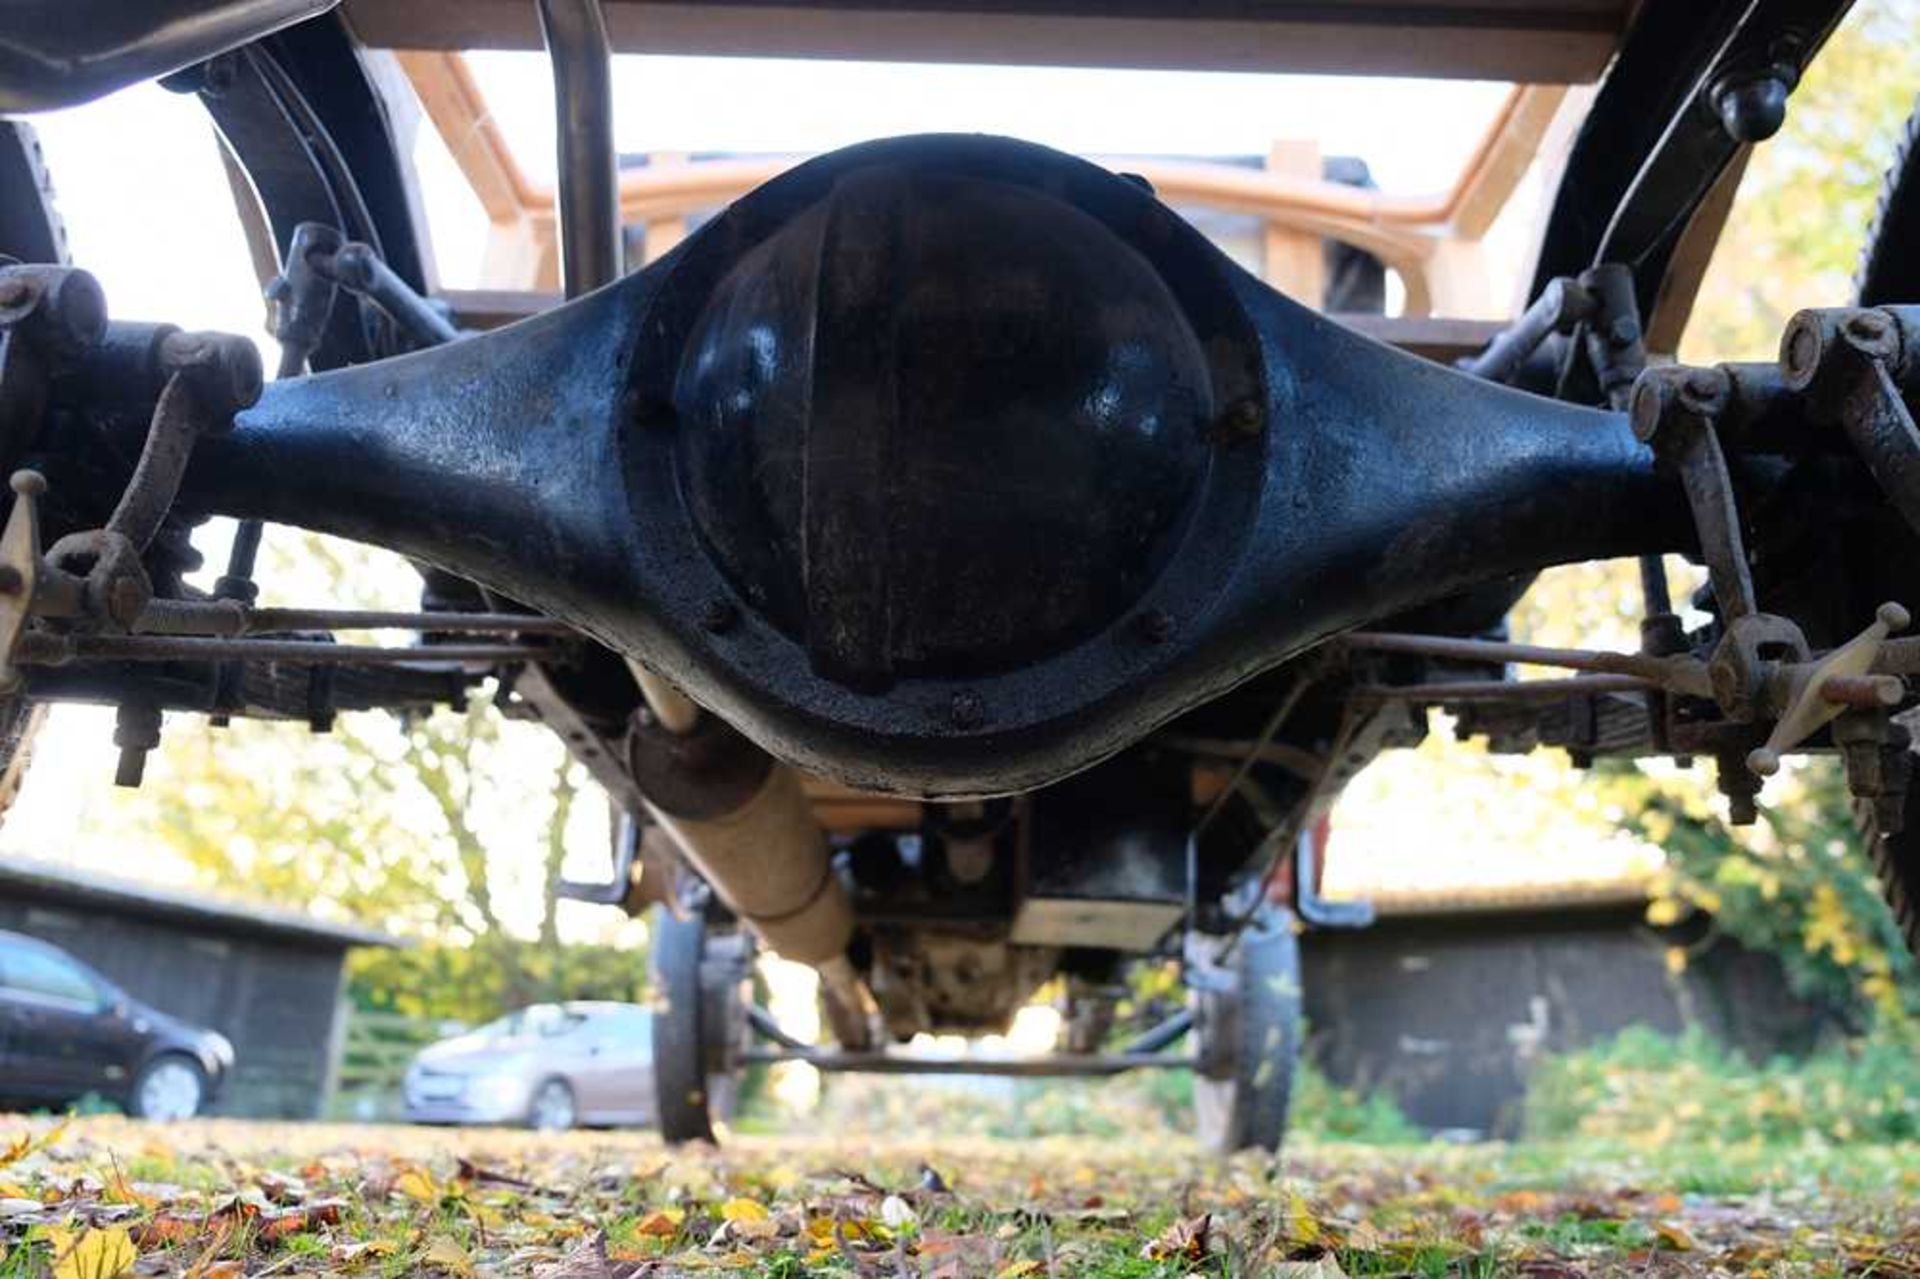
(548, 1066)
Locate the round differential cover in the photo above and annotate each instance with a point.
(941, 424)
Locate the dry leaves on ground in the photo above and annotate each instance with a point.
(105, 1198)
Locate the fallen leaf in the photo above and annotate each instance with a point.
(898, 1214)
(1184, 1240)
(293, 1221)
(280, 1188)
(224, 1268)
(662, 1223)
(92, 1254)
(1672, 1238)
(120, 1191)
(418, 1185)
(588, 1260)
(443, 1252)
(1324, 1267)
(739, 1210)
(359, 1250)
(26, 1143)
(164, 1230)
(467, 1170)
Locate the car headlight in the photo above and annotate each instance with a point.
(220, 1048)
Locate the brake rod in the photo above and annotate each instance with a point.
(1617, 672)
(230, 618)
(42, 649)
(1679, 674)
(1494, 690)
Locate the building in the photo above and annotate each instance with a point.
(1447, 1000)
(269, 980)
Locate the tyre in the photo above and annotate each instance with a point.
(552, 1108)
(1896, 864)
(168, 1089)
(1889, 273)
(1249, 1039)
(698, 1018)
(1890, 262)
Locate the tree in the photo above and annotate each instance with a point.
(448, 830)
(1805, 206)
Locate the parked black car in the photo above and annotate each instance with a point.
(66, 1032)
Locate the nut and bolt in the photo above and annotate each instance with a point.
(966, 710)
(1243, 420)
(1704, 391)
(1867, 329)
(1155, 626)
(136, 730)
(126, 598)
(1701, 392)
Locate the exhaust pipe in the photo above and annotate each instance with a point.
(742, 821)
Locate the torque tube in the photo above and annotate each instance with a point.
(945, 466)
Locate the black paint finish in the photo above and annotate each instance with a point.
(994, 463)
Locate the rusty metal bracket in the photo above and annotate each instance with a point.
(1850, 363)
(211, 377)
(19, 571)
(1676, 410)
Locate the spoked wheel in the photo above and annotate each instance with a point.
(1248, 1031)
(699, 1025)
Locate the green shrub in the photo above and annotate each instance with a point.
(1144, 1102)
(1324, 1111)
(1797, 886)
(1691, 1089)
(477, 982)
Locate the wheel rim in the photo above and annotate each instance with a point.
(170, 1091)
(553, 1108)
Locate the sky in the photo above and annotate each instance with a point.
(1416, 134)
(149, 212)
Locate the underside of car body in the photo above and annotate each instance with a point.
(959, 571)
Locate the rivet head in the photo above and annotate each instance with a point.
(719, 616)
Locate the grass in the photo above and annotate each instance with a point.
(371, 1200)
